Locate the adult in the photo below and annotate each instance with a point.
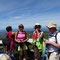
(38, 41)
(53, 43)
(21, 37)
(11, 36)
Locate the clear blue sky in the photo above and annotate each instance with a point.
(29, 12)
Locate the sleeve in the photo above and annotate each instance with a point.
(58, 38)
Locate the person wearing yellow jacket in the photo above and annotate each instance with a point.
(38, 42)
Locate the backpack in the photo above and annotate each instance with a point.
(56, 39)
(6, 40)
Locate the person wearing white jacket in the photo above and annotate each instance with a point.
(53, 42)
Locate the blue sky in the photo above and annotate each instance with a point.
(29, 12)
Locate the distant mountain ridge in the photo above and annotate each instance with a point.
(45, 29)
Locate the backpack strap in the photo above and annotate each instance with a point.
(25, 34)
(23, 31)
(56, 41)
(56, 36)
(17, 33)
(7, 35)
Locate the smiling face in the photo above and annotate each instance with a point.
(52, 30)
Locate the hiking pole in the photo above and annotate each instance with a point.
(44, 54)
(47, 54)
(46, 51)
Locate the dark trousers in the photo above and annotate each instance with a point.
(22, 46)
(25, 43)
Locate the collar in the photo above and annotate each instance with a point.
(52, 34)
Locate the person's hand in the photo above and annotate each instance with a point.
(25, 40)
(31, 42)
(47, 42)
(22, 41)
(37, 30)
(18, 41)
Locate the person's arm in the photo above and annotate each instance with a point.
(33, 38)
(40, 35)
(26, 38)
(54, 44)
(16, 38)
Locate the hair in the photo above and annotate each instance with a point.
(9, 28)
(21, 25)
(37, 26)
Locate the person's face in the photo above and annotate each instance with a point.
(21, 28)
(37, 27)
(52, 30)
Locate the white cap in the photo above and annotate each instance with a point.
(37, 24)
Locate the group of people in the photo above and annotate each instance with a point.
(20, 38)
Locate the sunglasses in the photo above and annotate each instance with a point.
(21, 27)
(37, 27)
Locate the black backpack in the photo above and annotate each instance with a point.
(6, 40)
